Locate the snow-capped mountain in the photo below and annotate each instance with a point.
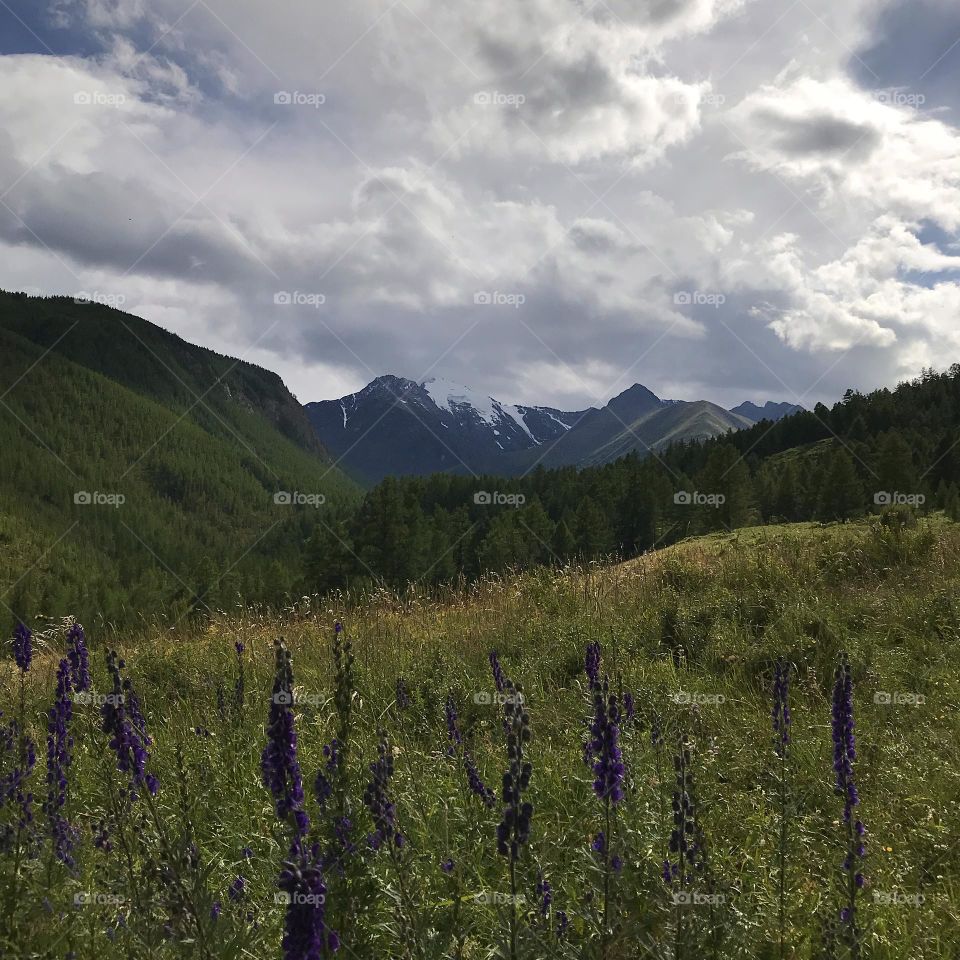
(398, 426)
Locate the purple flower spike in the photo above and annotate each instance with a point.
(22, 647)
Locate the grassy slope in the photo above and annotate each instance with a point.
(736, 601)
(198, 459)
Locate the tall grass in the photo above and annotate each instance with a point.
(694, 633)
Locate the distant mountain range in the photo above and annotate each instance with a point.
(398, 426)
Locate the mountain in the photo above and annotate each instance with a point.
(139, 466)
(395, 426)
(398, 426)
(769, 411)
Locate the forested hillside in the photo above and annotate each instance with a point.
(888, 449)
(140, 473)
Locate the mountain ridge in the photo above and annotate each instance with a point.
(397, 426)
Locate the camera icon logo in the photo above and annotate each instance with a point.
(683, 498)
(682, 298)
(483, 498)
(481, 297)
(82, 98)
(283, 97)
(83, 498)
(282, 298)
(283, 498)
(283, 698)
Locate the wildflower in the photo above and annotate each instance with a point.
(59, 756)
(453, 732)
(562, 923)
(322, 785)
(238, 889)
(844, 755)
(629, 707)
(305, 933)
(122, 719)
(599, 844)
(544, 894)
(781, 708)
(402, 694)
(279, 766)
(608, 768)
(377, 798)
(22, 647)
(215, 910)
(499, 680)
(239, 686)
(79, 658)
(592, 663)
(447, 866)
(476, 784)
(514, 829)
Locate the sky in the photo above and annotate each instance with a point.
(547, 200)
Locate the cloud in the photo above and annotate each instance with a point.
(580, 164)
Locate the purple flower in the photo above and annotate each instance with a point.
(215, 910)
(79, 658)
(59, 757)
(562, 923)
(453, 732)
(513, 832)
(844, 755)
(279, 766)
(402, 695)
(376, 796)
(238, 889)
(122, 718)
(447, 866)
(544, 894)
(499, 680)
(322, 785)
(305, 933)
(844, 748)
(599, 843)
(686, 838)
(629, 708)
(604, 746)
(476, 784)
(781, 708)
(591, 663)
(22, 647)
